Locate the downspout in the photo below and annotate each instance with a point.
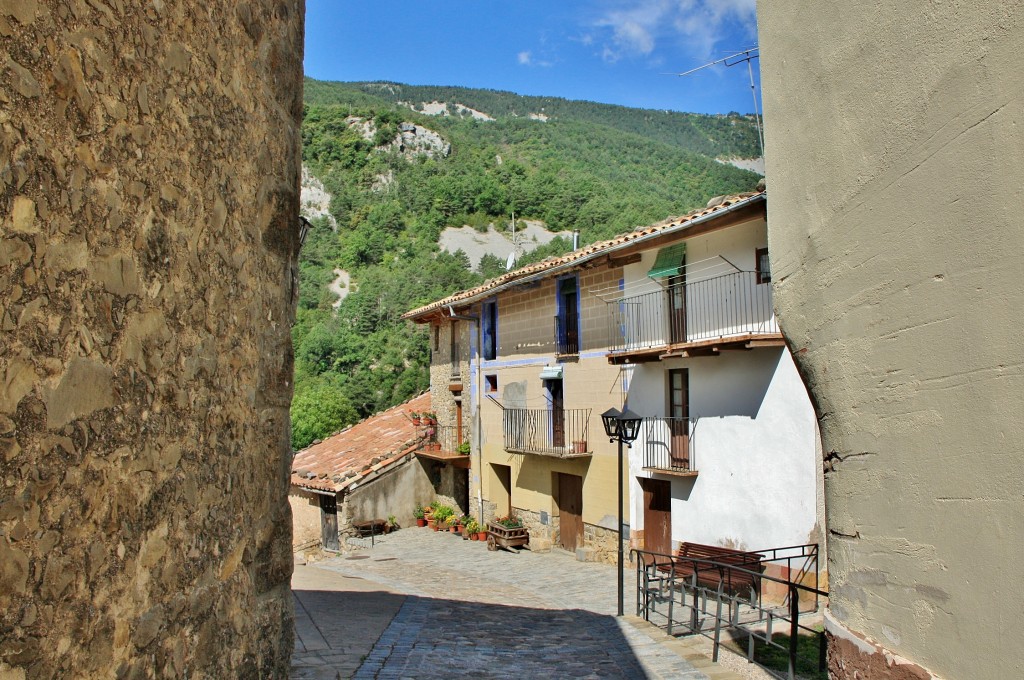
(477, 435)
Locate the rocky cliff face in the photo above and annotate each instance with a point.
(149, 179)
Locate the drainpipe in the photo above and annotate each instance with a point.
(477, 435)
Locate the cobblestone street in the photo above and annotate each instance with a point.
(421, 604)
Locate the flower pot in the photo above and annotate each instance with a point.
(432, 523)
(481, 535)
(475, 536)
(421, 522)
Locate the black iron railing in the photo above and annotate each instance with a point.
(443, 438)
(567, 334)
(669, 444)
(719, 307)
(695, 595)
(547, 432)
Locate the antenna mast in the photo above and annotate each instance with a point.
(738, 58)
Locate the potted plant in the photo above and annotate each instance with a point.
(471, 530)
(463, 449)
(391, 525)
(442, 514)
(429, 418)
(421, 520)
(416, 418)
(579, 446)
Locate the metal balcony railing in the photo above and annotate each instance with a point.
(559, 433)
(444, 438)
(719, 307)
(669, 444)
(567, 334)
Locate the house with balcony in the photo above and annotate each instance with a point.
(673, 321)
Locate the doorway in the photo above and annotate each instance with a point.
(677, 305)
(501, 493)
(570, 511)
(555, 394)
(679, 418)
(657, 515)
(329, 522)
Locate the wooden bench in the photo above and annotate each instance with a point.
(374, 527)
(712, 576)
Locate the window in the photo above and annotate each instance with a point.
(490, 330)
(567, 323)
(490, 383)
(764, 266)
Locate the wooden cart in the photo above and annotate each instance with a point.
(498, 535)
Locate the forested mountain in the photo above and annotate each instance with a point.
(398, 177)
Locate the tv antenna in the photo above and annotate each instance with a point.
(747, 55)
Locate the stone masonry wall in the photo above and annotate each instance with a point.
(149, 174)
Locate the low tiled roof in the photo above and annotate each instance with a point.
(366, 447)
(719, 205)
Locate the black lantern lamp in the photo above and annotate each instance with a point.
(622, 427)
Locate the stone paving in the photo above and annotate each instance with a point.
(452, 609)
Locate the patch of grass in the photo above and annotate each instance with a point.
(777, 660)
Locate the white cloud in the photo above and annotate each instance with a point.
(524, 58)
(635, 28)
(527, 58)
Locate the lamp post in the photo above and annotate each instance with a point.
(622, 427)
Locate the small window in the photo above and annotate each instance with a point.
(490, 383)
(764, 266)
(490, 330)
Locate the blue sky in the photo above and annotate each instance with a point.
(611, 51)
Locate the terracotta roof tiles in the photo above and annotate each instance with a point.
(370, 445)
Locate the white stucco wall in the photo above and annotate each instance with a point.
(753, 446)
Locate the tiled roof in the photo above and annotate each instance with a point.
(537, 270)
(366, 447)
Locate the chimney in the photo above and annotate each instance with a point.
(575, 239)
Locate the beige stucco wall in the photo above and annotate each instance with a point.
(149, 194)
(894, 145)
(305, 507)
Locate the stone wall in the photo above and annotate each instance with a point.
(894, 142)
(149, 176)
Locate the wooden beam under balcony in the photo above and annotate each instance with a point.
(453, 458)
(672, 472)
(699, 348)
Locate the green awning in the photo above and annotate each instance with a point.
(669, 261)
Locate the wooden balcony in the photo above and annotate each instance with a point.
(442, 443)
(728, 312)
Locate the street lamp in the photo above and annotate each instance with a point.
(623, 427)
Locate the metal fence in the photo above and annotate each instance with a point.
(669, 444)
(550, 432)
(722, 306)
(445, 438)
(694, 596)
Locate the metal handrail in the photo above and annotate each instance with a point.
(717, 307)
(669, 443)
(561, 433)
(649, 564)
(445, 437)
(567, 337)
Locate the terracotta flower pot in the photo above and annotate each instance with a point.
(432, 523)
(481, 535)
(421, 522)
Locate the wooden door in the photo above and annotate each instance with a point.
(570, 511)
(679, 418)
(570, 339)
(657, 515)
(557, 413)
(677, 308)
(329, 522)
